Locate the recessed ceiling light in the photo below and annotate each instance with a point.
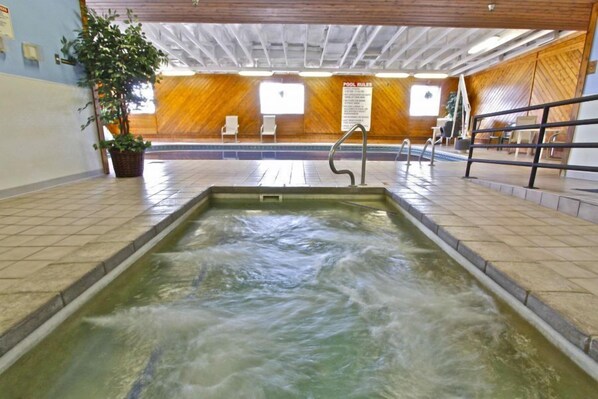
(177, 72)
(315, 74)
(392, 75)
(255, 73)
(426, 75)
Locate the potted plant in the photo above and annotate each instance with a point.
(116, 63)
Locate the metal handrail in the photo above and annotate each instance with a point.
(335, 147)
(429, 141)
(408, 142)
(541, 127)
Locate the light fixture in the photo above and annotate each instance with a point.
(392, 75)
(429, 75)
(256, 72)
(177, 72)
(487, 44)
(315, 74)
(491, 7)
(195, 2)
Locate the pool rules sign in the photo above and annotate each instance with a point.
(5, 23)
(357, 105)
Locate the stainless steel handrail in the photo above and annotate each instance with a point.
(335, 147)
(408, 142)
(429, 141)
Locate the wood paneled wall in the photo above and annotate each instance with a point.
(194, 108)
(549, 74)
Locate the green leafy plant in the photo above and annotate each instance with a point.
(451, 102)
(116, 62)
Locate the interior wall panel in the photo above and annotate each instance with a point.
(547, 75)
(194, 108)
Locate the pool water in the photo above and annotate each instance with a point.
(295, 300)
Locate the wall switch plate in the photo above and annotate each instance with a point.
(31, 51)
(592, 67)
(57, 59)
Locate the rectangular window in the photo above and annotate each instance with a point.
(425, 100)
(148, 106)
(281, 98)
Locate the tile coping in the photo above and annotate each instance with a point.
(568, 327)
(561, 202)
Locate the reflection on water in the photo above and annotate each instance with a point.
(332, 302)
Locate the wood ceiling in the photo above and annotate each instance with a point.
(514, 14)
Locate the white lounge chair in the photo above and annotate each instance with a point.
(231, 127)
(268, 128)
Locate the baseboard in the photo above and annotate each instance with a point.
(13, 191)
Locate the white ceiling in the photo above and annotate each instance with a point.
(343, 49)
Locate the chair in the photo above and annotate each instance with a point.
(231, 127)
(447, 131)
(517, 135)
(268, 128)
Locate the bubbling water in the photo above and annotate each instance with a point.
(324, 303)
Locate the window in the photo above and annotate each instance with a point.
(281, 98)
(145, 91)
(425, 100)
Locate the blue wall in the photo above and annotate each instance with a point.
(591, 85)
(44, 23)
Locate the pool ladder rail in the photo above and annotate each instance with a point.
(408, 142)
(428, 142)
(364, 146)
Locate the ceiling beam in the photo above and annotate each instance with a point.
(388, 44)
(258, 31)
(509, 14)
(156, 42)
(191, 37)
(365, 46)
(172, 37)
(305, 45)
(406, 47)
(429, 45)
(514, 46)
(350, 45)
(462, 38)
(284, 45)
(218, 39)
(325, 44)
(232, 30)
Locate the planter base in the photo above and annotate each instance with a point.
(127, 163)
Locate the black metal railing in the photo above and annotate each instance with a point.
(539, 145)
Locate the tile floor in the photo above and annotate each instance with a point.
(57, 242)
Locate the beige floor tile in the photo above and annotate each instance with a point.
(51, 253)
(5, 263)
(15, 241)
(23, 268)
(16, 307)
(496, 251)
(54, 230)
(590, 284)
(19, 253)
(569, 269)
(572, 254)
(536, 277)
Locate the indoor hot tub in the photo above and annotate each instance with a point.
(295, 298)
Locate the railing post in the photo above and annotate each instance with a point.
(532, 176)
(473, 133)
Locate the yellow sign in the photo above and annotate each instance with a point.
(5, 23)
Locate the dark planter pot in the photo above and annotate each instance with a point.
(127, 163)
(462, 144)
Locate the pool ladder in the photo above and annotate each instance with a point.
(408, 142)
(364, 146)
(428, 142)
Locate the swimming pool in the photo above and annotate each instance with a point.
(287, 152)
(301, 300)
